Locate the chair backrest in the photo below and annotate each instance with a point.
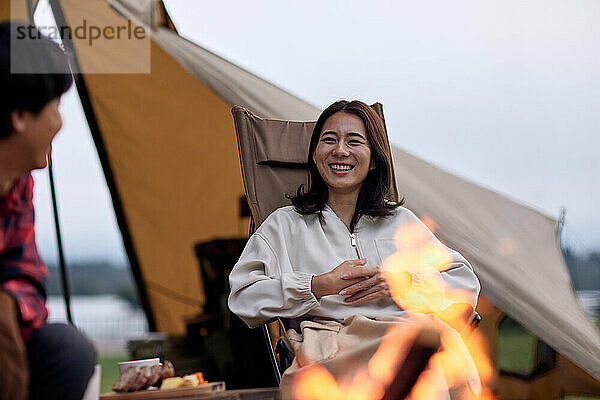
(273, 156)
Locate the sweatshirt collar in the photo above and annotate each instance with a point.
(327, 209)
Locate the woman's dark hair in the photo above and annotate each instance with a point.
(40, 71)
(375, 198)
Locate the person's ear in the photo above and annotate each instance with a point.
(17, 121)
(372, 166)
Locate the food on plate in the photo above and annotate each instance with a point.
(151, 374)
(168, 370)
(190, 380)
(194, 379)
(126, 379)
(200, 377)
(140, 380)
(136, 378)
(171, 383)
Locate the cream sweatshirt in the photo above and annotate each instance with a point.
(273, 275)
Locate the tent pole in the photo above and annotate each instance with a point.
(90, 116)
(61, 257)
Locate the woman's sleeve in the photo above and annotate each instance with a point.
(459, 275)
(257, 296)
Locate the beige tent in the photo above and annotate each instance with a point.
(167, 145)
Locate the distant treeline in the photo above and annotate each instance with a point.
(584, 269)
(95, 278)
(104, 278)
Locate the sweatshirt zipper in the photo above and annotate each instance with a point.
(353, 243)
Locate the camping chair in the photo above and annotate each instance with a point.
(273, 157)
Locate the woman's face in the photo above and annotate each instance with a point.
(343, 153)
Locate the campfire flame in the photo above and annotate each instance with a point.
(461, 365)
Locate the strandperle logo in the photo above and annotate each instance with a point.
(91, 47)
(85, 31)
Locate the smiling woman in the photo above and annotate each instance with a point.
(343, 156)
(349, 163)
(318, 263)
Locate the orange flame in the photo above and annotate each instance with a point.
(462, 365)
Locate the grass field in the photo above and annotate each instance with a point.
(516, 350)
(110, 371)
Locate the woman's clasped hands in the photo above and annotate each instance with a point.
(354, 279)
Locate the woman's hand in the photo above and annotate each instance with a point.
(333, 282)
(371, 286)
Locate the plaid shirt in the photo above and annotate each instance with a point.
(22, 272)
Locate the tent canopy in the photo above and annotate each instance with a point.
(167, 144)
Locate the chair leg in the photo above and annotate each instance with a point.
(267, 336)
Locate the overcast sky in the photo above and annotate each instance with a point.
(504, 93)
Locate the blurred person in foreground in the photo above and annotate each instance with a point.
(44, 361)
